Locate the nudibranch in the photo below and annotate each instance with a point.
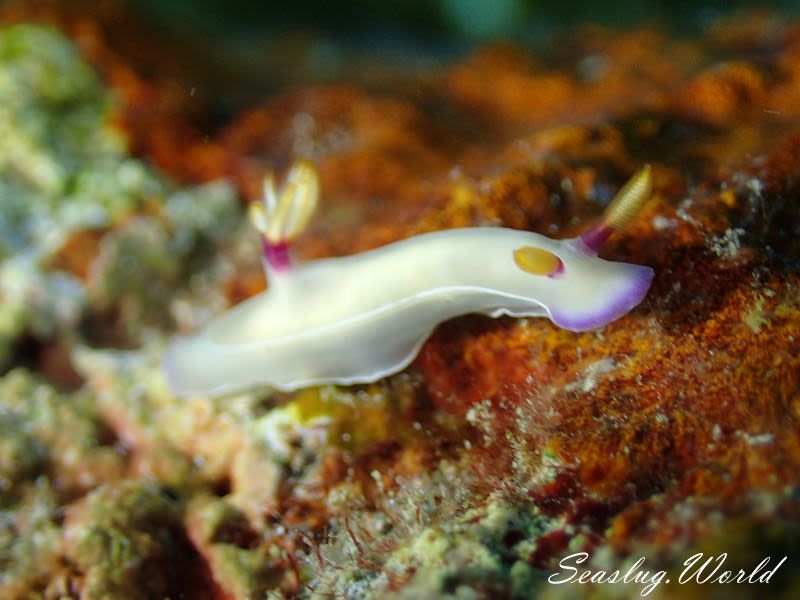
(359, 318)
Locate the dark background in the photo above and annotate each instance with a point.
(455, 20)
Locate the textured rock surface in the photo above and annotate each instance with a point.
(508, 443)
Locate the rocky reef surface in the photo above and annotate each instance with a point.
(508, 444)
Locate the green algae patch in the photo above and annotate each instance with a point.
(53, 446)
(429, 538)
(184, 444)
(483, 549)
(756, 318)
(145, 262)
(53, 108)
(30, 540)
(50, 432)
(22, 455)
(85, 228)
(121, 536)
(223, 536)
(52, 114)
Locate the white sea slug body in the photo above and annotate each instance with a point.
(359, 318)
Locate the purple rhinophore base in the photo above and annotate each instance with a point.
(559, 272)
(621, 303)
(277, 255)
(596, 237)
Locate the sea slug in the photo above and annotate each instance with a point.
(359, 318)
